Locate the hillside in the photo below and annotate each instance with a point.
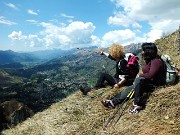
(13, 57)
(79, 115)
(7, 80)
(169, 45)
(82, 115)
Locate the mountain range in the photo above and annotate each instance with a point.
(10, 56)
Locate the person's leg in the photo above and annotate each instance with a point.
(129, 82)
(117, 99)
(105, 77)
(100, 83)
(122, 95)
(141, 85)
(139, 89)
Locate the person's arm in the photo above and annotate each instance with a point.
(154, 69)
(123, 80)
(104, 53)
(107, 55)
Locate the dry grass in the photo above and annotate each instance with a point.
(169, 45)
(81, 115)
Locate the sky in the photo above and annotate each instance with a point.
(31, 25)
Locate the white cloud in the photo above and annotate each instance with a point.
(30, 11)
(123, 37)
(153, 35)
(76, 34)
(120, 19)
(136, 25)
(32, 44)
(166, 26)
(69, 20)
(32, 21)
(29, 40)
(11, 6)
(32, 36)
(162, 15)
(17, 36)
(4, 21)
(66, 16)
(95, 41)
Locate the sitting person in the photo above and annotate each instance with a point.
(153, 75)
(123, 75)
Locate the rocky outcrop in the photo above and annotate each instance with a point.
(13, 112)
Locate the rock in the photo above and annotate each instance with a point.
(13, 112)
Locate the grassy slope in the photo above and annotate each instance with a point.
(79, 115)
(169, 45)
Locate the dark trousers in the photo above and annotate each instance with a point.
(105, 77)
(140, 86)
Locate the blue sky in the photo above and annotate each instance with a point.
(30, 25)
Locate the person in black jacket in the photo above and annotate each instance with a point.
(122, 76)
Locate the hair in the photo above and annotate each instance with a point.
(116, 51)
(150, 51)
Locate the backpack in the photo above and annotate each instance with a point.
(171, 74)
(133, 64)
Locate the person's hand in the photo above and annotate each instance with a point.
(116, 86)
(141, 73)
(101, 53)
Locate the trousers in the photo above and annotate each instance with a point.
(140, 86)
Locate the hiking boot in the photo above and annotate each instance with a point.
(108, 103)
(135, 109)
(84, 90)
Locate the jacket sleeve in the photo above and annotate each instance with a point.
(110, 57)
(155, 67)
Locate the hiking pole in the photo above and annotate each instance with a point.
(130, 96)
(116, 111)
(113, 115)
(99, 94)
